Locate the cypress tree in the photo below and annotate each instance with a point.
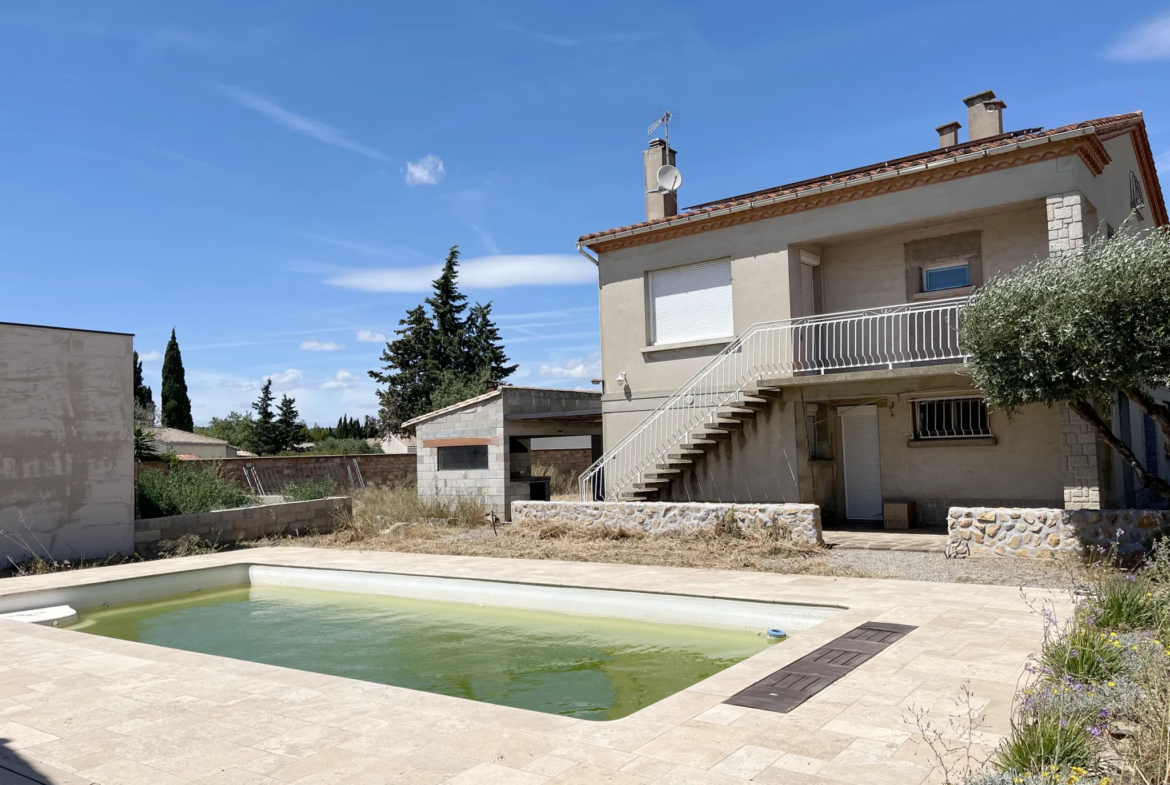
(143, 395)
(265, 440)
(176, 405)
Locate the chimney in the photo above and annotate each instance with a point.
(658, 205)
(948, 134)
(984, 115)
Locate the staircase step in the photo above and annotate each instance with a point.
(755, 403)
(706, 437)
(737, 412)
(674, 463)
(660, 470)
(725, 423)
(651, 483)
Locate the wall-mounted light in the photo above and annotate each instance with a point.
(621, 378)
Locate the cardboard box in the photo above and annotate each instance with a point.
(898, 515)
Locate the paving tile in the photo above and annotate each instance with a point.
(746, 762)
(686, 775)
(119, 771)
(696, 744)
(17, 736)
(584, 774)
(549, 765)
(491, 774)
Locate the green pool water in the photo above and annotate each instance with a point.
(592, 668)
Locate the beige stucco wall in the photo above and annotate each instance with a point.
(66, 443)
(869, 271)
(1022, 469)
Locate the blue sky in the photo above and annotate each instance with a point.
(279, 180)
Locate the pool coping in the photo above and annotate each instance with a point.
(308, 724)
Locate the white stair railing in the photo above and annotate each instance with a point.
(852, 340)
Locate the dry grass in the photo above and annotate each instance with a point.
(390, 520)
(562, 485)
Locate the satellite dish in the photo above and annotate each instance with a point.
(669, 179)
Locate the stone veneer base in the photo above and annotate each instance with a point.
(1043, 533)
(802, 521)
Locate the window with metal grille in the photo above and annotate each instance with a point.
(1136, 197)
(462, 458)
(951, 418)
(1150, 442)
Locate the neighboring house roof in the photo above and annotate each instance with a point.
(176, 436)
(948, 163)
(187, 457)
(245, 454)
(487, 396)
(406, 439)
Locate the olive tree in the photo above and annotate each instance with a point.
(1079, 327)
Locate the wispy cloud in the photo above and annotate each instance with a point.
(427, 170)
(308, 126)
(340, 379)
(394, 252)
(149, 357)
(319, 346)
(1147, 42)
(536, 35)
(488, 272)
(538, 315)
(285, 379)
(562, 41)
(575, 368)
(369, 336)
(469, 206)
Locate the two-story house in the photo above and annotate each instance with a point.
(801, 343)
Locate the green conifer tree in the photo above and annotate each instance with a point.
(143, 395)
(485, 349)
(289, 429)
(176, 405)
(265, 440)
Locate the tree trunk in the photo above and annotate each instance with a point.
(1151, 481)
(1158, 411)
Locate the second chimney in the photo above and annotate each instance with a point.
(948, 134)
(984, 115)
(658, 205)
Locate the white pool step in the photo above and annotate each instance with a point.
(51, 616)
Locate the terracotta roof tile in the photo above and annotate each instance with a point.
(1105, 127)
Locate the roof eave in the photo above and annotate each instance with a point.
(754, 204)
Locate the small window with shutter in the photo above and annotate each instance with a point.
(691, 303)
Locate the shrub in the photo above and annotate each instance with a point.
(1083, 653)
(561, 483)
(377, 509)
(1046, 743)
(307, 490)
(183, 491)
(1125, 602)
(341, 447)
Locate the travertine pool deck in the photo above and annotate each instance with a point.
(81, 708)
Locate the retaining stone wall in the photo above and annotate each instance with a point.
(803, 521)
(244, 523)
(1045, 532)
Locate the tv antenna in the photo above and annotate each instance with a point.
(669, 177)
(664, 122)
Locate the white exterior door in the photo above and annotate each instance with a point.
(862, 463)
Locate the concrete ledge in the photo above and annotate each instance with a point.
(242, 522)
(802, 522)
(1042, 533)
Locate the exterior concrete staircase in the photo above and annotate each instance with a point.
(733, 387)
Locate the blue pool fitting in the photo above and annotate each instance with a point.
(777, 635)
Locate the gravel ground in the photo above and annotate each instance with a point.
(916, 566)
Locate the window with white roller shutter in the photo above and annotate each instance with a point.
(691, 303)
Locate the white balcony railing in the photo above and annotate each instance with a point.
(879, 338)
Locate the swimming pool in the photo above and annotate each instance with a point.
(588, 653)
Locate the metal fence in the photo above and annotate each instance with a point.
(266, 479)
(854, 340)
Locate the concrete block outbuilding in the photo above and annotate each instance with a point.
(483, 446)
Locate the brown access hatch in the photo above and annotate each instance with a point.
(793, 684)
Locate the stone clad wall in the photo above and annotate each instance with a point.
(803, 521)
(1043, 533)
(244, 523)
